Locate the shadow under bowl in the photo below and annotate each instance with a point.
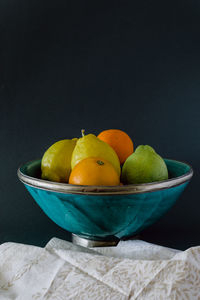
(105, 213)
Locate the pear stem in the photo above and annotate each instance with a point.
(83, 132)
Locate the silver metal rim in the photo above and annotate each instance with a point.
(105, 190)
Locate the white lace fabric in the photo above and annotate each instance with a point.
(132, 270)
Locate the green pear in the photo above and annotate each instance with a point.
(143, 166)
(91, 146)
(56, 161)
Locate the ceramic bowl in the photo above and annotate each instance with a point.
(105, 213)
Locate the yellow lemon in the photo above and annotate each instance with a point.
(56, 161)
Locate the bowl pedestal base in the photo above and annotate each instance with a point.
(89, 243)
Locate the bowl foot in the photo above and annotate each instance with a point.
(89, 243)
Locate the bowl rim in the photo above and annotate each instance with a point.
(103, 190)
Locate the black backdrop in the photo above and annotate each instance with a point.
(67, 65)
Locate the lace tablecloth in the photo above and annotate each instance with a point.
(132, 270)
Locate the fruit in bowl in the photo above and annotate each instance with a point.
(91, 146)
(94, 205)
(56, 161)
(143, 166)
(94, 171)
(113, 145)
(119, 141)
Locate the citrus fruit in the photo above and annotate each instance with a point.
(94, 171)
(90, 146)
(119, 141)
(143, 166)
(56, 161)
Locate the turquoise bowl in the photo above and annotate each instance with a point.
(105, 213)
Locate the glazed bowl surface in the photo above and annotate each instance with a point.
(105, 213)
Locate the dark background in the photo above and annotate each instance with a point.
(67, 65)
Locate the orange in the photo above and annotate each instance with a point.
(94, 171)
(119, 141)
